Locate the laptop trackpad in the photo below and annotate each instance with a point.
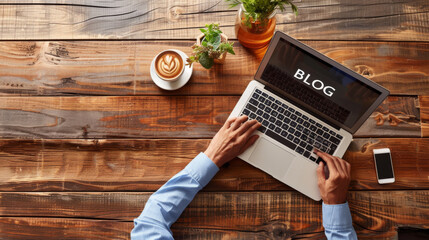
(271, 158)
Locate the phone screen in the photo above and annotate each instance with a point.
(384, 165)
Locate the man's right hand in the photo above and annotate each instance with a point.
(333, 189)
(233, 139)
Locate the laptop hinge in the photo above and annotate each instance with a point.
(302, 107)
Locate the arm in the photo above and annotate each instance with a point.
(165, 206)
(337, 219)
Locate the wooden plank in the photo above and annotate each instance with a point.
(360, 156)
(228, 234)
(60, 228)
(122, 67)
(193, 233)
(51, 228)
(133, 19)
(397, 116)
(110, 68)
(269, 214)
(114, 117)
(424, 113)
(144, 165)
(158, 117)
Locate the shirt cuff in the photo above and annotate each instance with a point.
(336, 216)
(202, 169)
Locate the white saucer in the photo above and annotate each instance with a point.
(172, 85)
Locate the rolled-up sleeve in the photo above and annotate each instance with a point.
(165, 206)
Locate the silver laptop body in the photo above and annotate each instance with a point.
(305, 100)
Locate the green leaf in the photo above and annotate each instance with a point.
(259, 9)
(294, 9)
(211, 46)
(233, 3)
(216, 42)
(226, 47)
(206, 61)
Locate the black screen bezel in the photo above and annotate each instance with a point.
(273, 44)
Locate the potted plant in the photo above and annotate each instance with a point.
(256, 22)
(211, 47)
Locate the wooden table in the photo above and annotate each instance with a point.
(86, 136)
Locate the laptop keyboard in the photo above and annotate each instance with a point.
(286, 124)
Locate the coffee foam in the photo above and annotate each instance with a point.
(169, 65)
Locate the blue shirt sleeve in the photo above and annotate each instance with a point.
(165, 206)
(337, 222)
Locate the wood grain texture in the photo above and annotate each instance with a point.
(114, 117)
(145, 165)
(52, 228)
(424, 113)
(122, 67)
(181, 19)
(60, 228)
(396, 116)
(360, 155)
(274, 215)
(107, 137)
(159, 117)
(23, 228)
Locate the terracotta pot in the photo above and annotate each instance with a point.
(224, 38)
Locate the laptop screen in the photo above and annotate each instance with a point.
(318, 84)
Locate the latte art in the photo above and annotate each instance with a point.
(169, 65)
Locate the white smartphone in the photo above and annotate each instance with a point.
(384, 166)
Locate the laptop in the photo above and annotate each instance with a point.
(304, 100)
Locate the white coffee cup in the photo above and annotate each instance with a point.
(169, 65)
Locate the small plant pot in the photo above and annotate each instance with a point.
(224, 38)
(254, 34)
